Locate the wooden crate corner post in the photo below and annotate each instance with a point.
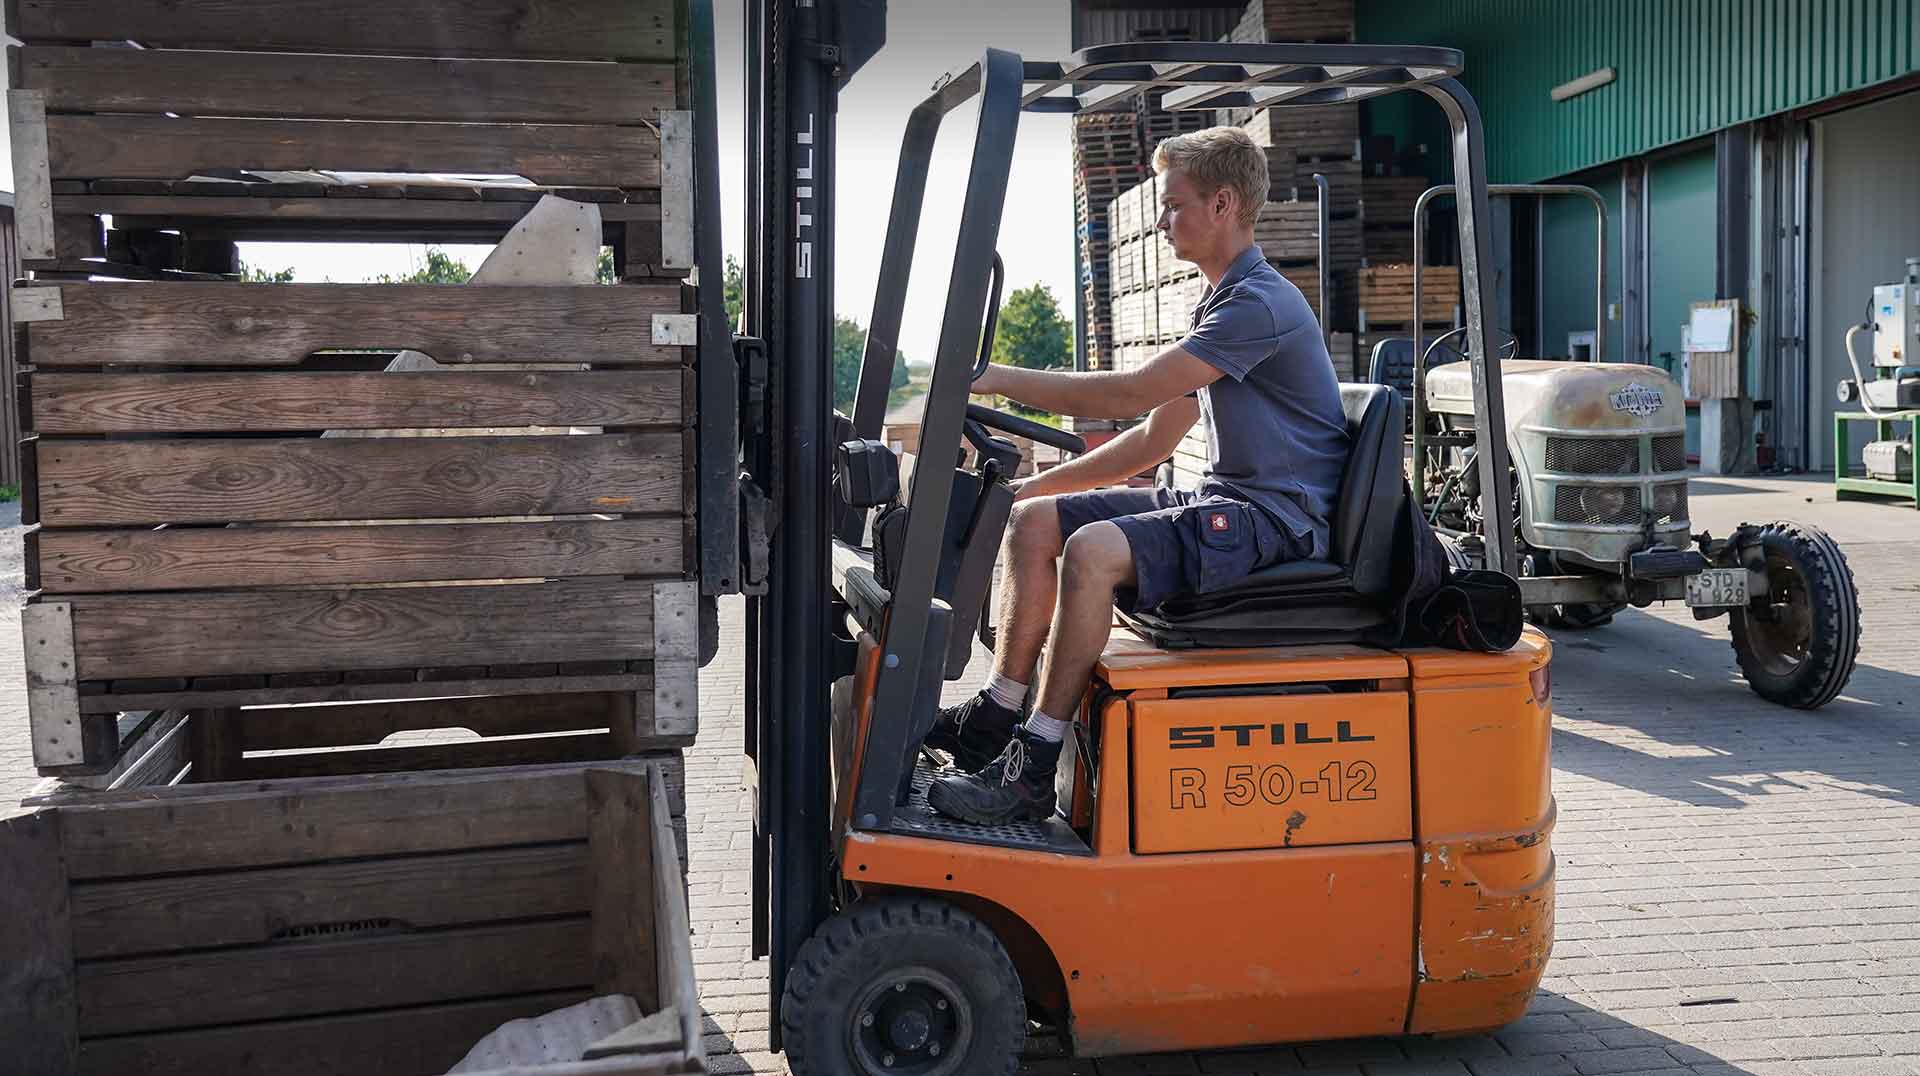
(64, 740)
(676, 659)
(620, 853)
(38, 1030)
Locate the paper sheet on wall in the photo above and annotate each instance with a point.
(1712, 329)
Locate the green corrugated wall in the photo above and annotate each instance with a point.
(1683, 68)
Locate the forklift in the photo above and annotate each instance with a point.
(1269, 832)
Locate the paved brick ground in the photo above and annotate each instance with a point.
(1737, 881)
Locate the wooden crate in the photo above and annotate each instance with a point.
(333, 925)
(202, 542)
(1289, 231)
(1384, 294)
(154, 135)
(1295, 20)
(1389, 200)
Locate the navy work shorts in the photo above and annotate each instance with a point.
(1183, 542)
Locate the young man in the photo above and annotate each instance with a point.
(1255, 369)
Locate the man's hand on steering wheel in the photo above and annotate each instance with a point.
(987, 382)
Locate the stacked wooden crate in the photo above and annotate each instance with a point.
(267, 546)
(1107, 159)
(1382, 295)
(1386, 211)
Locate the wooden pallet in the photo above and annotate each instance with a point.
(343, 924)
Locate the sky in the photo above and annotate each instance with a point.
(925, 39)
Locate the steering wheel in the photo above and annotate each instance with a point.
(1507, 349)
(1038, 432)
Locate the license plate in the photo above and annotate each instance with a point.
(1718, 587)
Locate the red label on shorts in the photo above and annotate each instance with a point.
(1218, 521)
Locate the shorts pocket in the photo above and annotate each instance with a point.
(1225, 545)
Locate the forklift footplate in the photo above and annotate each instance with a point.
(916, 819)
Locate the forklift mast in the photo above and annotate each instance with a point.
(799, 56)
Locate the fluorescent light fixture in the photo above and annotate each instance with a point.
(1591, 81)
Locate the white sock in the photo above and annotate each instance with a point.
(1007, 691)
(1046, 728)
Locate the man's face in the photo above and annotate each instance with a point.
(1196, 221)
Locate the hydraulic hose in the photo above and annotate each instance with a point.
(1860, 379)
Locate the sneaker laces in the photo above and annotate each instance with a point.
(1016, 761)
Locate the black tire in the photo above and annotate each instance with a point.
(1577, 616)
(929, 972)
(1801, 650)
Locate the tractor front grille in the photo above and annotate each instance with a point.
(1593, 455)
(1670, 452)
(1597, 505)
(1669, 503)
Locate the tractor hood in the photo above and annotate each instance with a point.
(1585, 396)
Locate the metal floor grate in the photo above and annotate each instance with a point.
(917, 819)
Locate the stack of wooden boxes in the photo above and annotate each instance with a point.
(270, 566)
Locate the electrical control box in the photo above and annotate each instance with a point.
(1896, 322)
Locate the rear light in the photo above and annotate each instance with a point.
(1542, 681)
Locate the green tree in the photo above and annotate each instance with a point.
(439, 268)
(1032, 332)
(849, 342)
(603, 269)
(736, 295)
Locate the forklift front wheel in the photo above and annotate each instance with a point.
(903, 987)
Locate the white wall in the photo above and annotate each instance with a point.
(1866, 224)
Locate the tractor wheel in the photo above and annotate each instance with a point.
(903, 987)
(1578, 616)
(1798, 645)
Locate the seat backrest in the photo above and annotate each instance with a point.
(1372, 490)
(1392, 365)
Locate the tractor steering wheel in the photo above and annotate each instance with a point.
(1001, 420)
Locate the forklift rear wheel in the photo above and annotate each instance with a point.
(903, 987)
(1797, 646)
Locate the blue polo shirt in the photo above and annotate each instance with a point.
(1276, 435)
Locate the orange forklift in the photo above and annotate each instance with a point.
(1269, 831)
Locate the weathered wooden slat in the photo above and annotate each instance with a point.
(72, 403)
(137, 147)
(679, 990)
(620, 858)
(279, 981)
(73, 562)
(583, 29)
(37, 1031)
(120, 483)
(154, 831)
(154, 915)
(238, 632)
(418, 1041)
(345, 87)
(466, 754)
(281, 324)
(361, 685)
(295, 727)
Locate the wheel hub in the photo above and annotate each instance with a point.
(914, 1022)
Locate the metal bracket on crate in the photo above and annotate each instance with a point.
(676, 330)
(37, 304)
(676, 659)
(33, 193)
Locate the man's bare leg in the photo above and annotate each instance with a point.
(976, 730)
(1098, 561)
(1030, 555)
(1019, 785)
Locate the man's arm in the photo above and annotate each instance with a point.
(1101, 393)
(1123, 457)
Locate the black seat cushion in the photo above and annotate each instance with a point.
(1334, 600)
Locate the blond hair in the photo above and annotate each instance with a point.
(1216, 158)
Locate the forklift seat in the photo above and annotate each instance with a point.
(1312, 601)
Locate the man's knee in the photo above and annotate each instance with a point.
(1034, 528)
(1098, 554)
